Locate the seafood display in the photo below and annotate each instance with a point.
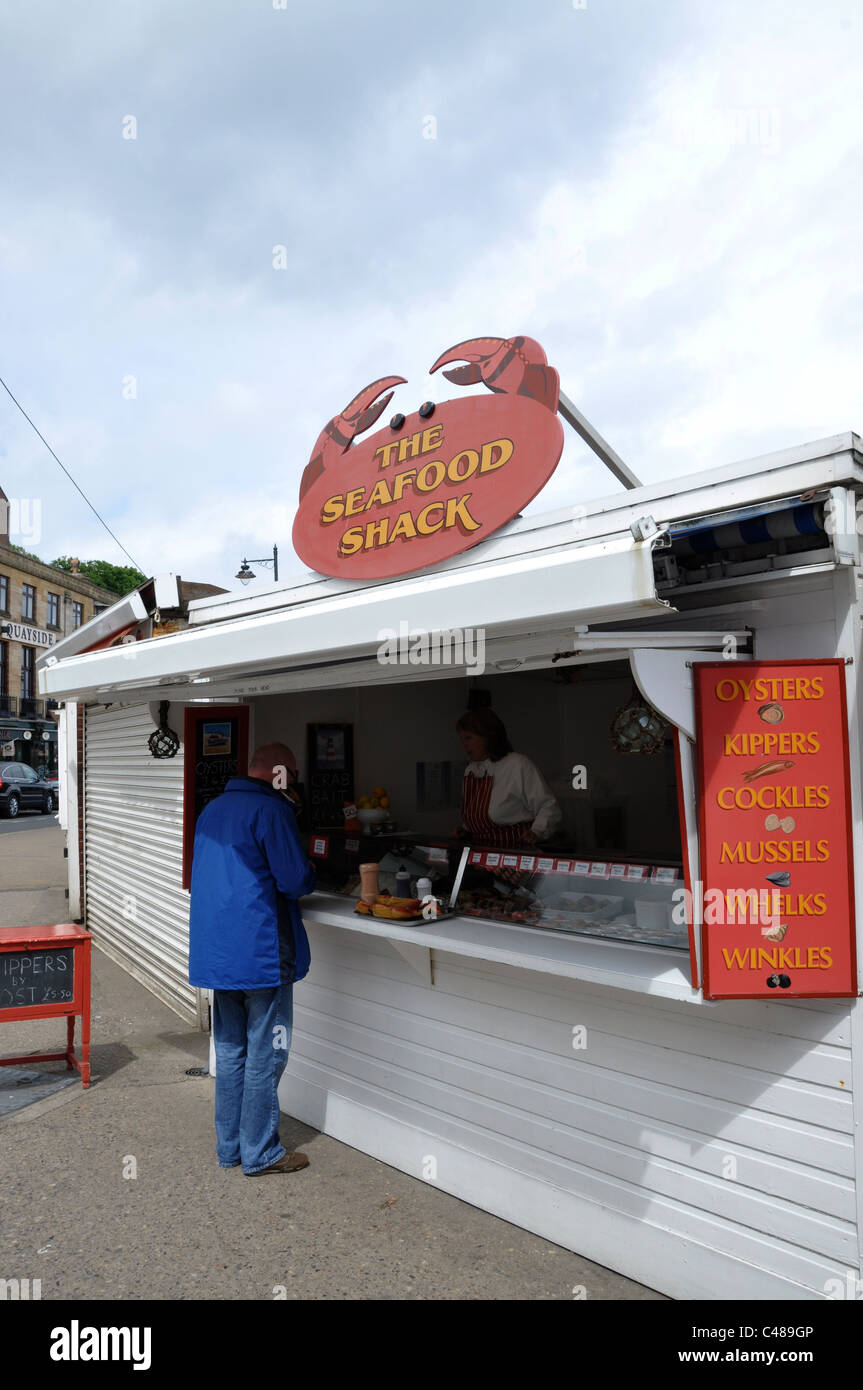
(587, 914)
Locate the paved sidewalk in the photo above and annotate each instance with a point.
(347, 1227)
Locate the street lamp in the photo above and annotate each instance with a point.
(246, 575)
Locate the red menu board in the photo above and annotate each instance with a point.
(775, 830)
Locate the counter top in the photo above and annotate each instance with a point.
(656, 970)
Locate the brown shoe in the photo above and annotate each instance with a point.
(288, 1163)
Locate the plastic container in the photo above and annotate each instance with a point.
(369, 883)
(653, 916)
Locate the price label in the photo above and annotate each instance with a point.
(662, 875)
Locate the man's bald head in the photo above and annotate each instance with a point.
(271, 761)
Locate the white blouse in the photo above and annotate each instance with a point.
(519, 793)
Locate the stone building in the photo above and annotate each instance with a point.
(39, 605)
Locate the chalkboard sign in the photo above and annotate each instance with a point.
(330, 772)
(32, 978)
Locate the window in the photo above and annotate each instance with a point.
(27, 672)
(4, 593)
(28, 601)
(4, 668)
(53, 617)
(77, 614)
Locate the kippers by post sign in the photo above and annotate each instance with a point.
(437, 482)
(30, 636)
(775, 829)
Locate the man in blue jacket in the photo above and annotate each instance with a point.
(248, 944)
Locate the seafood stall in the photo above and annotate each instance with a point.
(583, 794)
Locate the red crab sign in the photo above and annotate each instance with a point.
(439, 481)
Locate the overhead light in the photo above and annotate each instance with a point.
(509, 663)
(637, 727)
(244, 574)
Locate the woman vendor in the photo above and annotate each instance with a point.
(505, 798)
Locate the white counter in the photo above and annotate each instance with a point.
(657, 970)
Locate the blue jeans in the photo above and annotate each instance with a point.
(252, 1035)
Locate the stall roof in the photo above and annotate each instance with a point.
(829, 462)
(539, 576)
(526, 593)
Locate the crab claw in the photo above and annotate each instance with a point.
(339, 433)
(505, 365)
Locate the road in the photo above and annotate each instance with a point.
(32, 871)
(29, 820)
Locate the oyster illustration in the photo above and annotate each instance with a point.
(772, 713)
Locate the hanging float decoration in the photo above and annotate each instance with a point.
(432, 484)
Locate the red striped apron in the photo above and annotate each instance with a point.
(475, 798)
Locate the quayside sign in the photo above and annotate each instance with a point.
(435, 483)
(32, 636)
(775, 829)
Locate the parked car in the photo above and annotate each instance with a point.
(22, 790)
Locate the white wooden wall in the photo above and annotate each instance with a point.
(704, 1151)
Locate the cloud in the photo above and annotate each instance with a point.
(666, 197)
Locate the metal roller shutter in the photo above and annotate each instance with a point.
(135, 905)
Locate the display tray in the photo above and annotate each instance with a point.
(415, 919)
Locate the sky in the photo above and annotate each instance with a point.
(220, 219)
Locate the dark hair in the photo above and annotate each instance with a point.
(486, 723)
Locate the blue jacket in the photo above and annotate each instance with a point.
(248, 869)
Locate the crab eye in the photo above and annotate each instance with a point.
(426, 409)
(396, 422)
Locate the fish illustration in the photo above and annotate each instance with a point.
(767, 769)
(782, 880)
